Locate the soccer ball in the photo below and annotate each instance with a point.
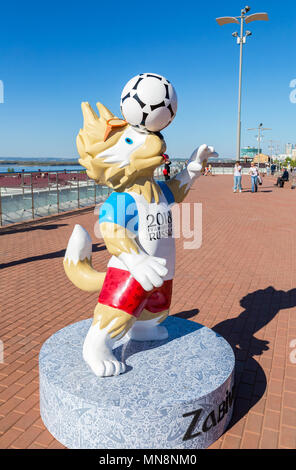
(148, 102)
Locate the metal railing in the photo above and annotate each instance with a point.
(32, 195)
(224, 170)
(25, 196)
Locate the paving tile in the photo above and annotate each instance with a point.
(250, 441)
(9, 392)
(12, 378)
(254, 422)
(27, 390)
(289, 400)
(231, 442)
(8, 421)
(269, 439)
(8, 438)
(272, 419)
(259, 406)
(288, 437)
(275, 387)
(35, 446)
(55, 445)
(289, 417)
(26, 438)
(274, 402)
(27, 420)
(45, 438)
(237, 429)
(9, 405)
(27, 404)
(290, 385)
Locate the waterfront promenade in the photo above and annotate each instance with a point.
(241, 283)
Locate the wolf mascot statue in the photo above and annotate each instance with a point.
(136, 224)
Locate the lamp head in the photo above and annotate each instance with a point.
(247, 9)
(235, 35)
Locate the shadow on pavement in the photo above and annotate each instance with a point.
(260, 307)
(55, 254)
(187, 314)
(31, 228)
(260, 191)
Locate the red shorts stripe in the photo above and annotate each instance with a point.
(120, 290)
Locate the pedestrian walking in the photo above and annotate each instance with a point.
(254, 173)
(237, 174)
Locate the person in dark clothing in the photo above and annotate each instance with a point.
(272, 169)
(167, 170)
(281, 179)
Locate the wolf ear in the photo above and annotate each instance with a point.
(89, 115)
(105, 114)
(91, 136)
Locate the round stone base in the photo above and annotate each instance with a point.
(175, 394)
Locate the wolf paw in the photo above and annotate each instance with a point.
(106, 368)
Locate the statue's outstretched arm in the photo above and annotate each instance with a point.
(182, 182)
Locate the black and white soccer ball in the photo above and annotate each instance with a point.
(148, 102)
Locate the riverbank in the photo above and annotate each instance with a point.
(38, 162)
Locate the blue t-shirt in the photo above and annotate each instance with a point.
(121, 208)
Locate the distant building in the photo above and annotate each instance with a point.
(262, 158)
(248, 153)
(282, 157)
(288, 149)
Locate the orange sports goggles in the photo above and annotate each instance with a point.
(113, 123)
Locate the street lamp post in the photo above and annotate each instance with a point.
(272, 148)
(241, 40)
(260, 128)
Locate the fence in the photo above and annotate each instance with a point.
(25, 196)
(229, 170)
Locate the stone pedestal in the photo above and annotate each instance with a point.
(175, 394)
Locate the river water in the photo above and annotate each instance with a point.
(43, 168)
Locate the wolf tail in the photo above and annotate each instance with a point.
(77, 262)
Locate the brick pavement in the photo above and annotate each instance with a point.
(241, 282)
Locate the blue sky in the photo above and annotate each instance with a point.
(53, 55)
